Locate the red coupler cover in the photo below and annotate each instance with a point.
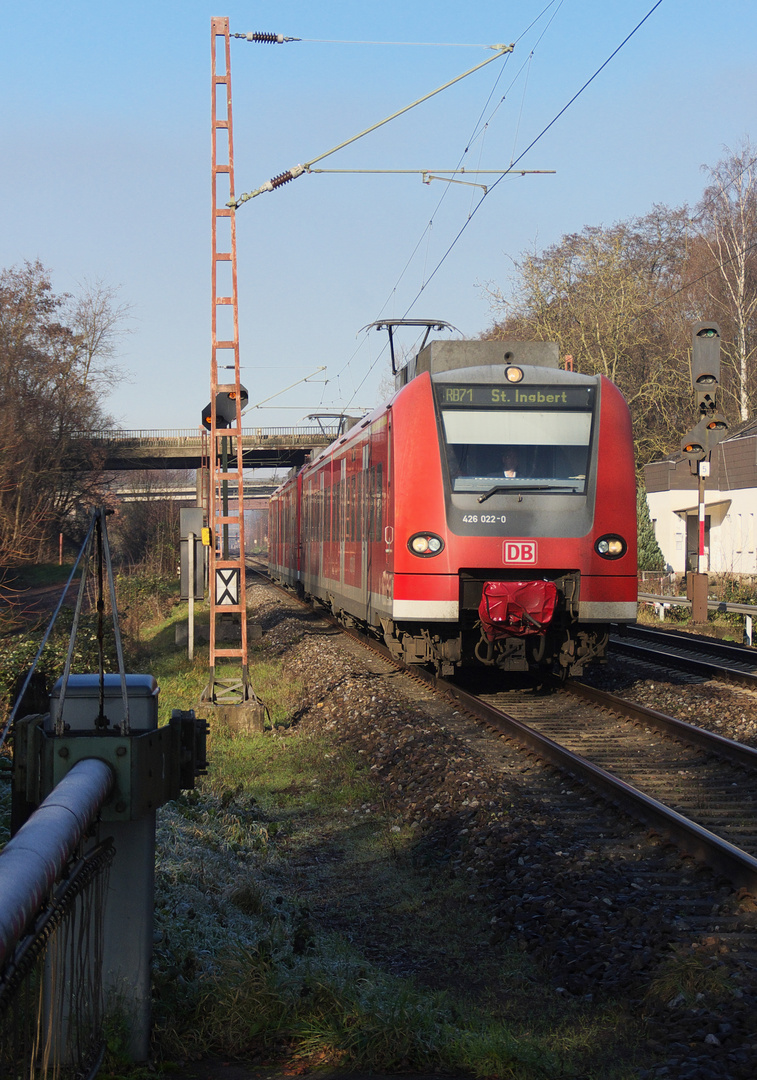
(515, 608)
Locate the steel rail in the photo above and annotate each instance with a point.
(686, 663)
(741, 654)
(738, 866)
(710, 741)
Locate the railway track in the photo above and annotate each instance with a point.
(688, 652)
(690, 785)
(696, 788)
(599, 903)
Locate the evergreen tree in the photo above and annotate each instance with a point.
(650, 555)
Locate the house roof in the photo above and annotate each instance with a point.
(694, 506)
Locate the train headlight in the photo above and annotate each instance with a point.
(425, 544)
(513, 374)
(611, 547)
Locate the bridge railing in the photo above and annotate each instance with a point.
(192, 437)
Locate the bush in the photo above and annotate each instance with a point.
(144, 596)
(17, 652)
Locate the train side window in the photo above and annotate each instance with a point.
(348, 508)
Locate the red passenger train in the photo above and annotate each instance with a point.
(485, 514)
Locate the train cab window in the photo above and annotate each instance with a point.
(522, 449)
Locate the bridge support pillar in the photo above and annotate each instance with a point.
(203, 479)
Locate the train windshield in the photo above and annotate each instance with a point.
(528, 449)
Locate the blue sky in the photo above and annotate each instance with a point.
(106, 166)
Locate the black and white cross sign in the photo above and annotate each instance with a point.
(227, 587)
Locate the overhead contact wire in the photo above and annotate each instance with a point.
(531, 145)
(298, 170)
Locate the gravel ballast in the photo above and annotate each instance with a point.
(592, 905)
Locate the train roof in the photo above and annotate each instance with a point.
(440, 356)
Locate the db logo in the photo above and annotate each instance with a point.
(519, 551)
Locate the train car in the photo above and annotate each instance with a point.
(486, 514)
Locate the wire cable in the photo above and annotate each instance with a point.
(297, 170)
(84, 548)
(531, 145)
(477, 130)
(417, 44)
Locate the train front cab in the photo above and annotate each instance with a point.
(566, 517)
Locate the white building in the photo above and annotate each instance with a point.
(730, 507)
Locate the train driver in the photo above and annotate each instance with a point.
(510, 461)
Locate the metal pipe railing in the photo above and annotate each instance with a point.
(35, 857)
(191, 436)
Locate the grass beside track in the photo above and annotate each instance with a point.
(241, 969)
(290, 821)
(244, 971)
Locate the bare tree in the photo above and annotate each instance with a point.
(602, 295)
(727, 214)
(145, 530)
(45, 399)
(98, 320)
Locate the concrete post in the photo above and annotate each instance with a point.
(128, 917)
(191, 613)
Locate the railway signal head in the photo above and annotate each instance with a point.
(716, 429)
(705, 365)
(226, 406)
(693, 444)
(699, 443)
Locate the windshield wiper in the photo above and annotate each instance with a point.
(519, 491)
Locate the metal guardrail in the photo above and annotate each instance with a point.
(713, 605)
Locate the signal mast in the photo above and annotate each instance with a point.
(229, 686)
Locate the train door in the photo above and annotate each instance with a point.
(331, 553)
(322, 524)
(342, 519)
(363, 526)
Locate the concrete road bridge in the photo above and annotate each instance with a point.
(256, 492)
(262, 448)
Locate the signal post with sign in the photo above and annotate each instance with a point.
(699, 443)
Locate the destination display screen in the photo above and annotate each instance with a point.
(450, 395)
